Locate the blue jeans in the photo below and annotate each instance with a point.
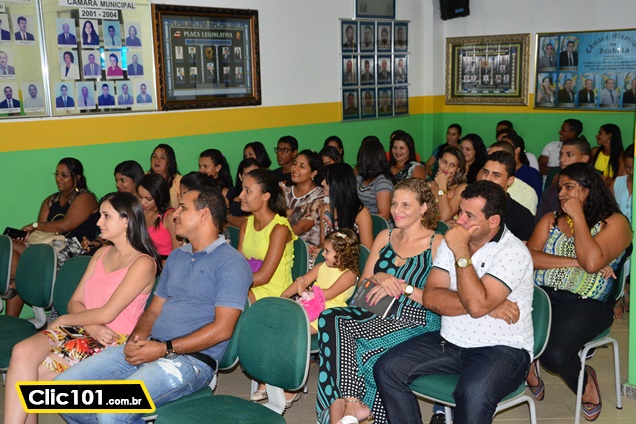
(166, 380)
(488, 374)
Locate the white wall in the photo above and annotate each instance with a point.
(300, 46)
(489, 17)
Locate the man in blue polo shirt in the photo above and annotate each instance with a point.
(179, 339)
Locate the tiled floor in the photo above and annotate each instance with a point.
(557, 408)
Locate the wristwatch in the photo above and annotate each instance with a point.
(463, 262)
(35, 225)
(441, 192)
(170, 352)
(408, 290)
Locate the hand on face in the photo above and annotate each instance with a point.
(442, 180)
(572, 206)
(457, 238)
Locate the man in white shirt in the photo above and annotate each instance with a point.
(571, 128)
(482, 286)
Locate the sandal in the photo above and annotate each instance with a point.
(350, 419)
(537, 391)
(259, 395)
(295, 398)
(591, 411)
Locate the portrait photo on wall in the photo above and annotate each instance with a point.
(368, 103)
(349, 71)
(383, 9)
(32, 100)
(5, 30)
(106, 98)
(384, 70)
(546, 93)
(125, 96)
(384, 37)
(68, 65)
(92, 67)
(65, 32)
(135, 66)
(144, 92)
(548, 46)
(85, 95)
(609, 96)
(629, 93)
(385, 102)
(367, 70)
(7, 70)
(25, 26)
(9, 100)
(400, 37)
(400, 73)
(569, 54)
(112, 34)
(64, 95)
(401, 100)
(350, 103)
(588, 94)
(132, 34)
(349, 30)
(566, 83)
(367, 42)
(90, 34)
(113, 67)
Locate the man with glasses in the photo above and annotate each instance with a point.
(286, 151)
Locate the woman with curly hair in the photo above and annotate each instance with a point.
(351, 339)
(606, 157)
(449, 182)
(577, 253)
(402, 158)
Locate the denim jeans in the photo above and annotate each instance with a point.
(488, 374)
(166, 380)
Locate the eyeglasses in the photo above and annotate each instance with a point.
(57, 174)
(283, 150)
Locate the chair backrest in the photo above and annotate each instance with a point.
(35, 275)
(623, 271)
(551, 174)
(541, 320)
(6, 255)
(152, 293)
(234, 235)
(301, 258)
(273, 343)
(230, 357)
(442, 227)
(67, 281)
(378, 224)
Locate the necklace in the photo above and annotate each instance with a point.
(570, 223)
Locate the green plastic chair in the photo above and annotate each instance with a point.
(67, 281)
(273, 347)
(34, 281)
(378, 224)
(6, 255)
(551, 174)
(439, 388)
(234, 235)
(300, 265)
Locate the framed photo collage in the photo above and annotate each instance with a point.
(374, 68)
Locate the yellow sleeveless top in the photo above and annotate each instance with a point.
(256, 244)
(325, 279)
(602, 164)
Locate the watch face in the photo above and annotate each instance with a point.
(440, 192)
(408, 290)
(462, 262)
(171, 355)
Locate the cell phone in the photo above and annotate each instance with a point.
(72, 331)
(14, 233)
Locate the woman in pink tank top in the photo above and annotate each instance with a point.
(105, 307)
(154, 193)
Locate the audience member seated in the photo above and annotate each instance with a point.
(341, 206)
(127, 175)
(335, 142)
(500, 169)
(532, 159)
(186, 328)
(606, 157)
(572, 151)
(402, 158)
(391, 137)
(352, 339)
(237, 215)
(519, 190)
(524, 172)
(329, 155)
(286, 150)
(163, 161)
(453, 138)
(449, 182)
(549, 159)
(475, 154)
(576, 253)
(72, 212)
(213, 164)
(374, 180)
(304, 199)
(104, 308)
(154, 194)
(481, 285)
(257, 151)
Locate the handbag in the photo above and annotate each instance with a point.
(45, 237)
